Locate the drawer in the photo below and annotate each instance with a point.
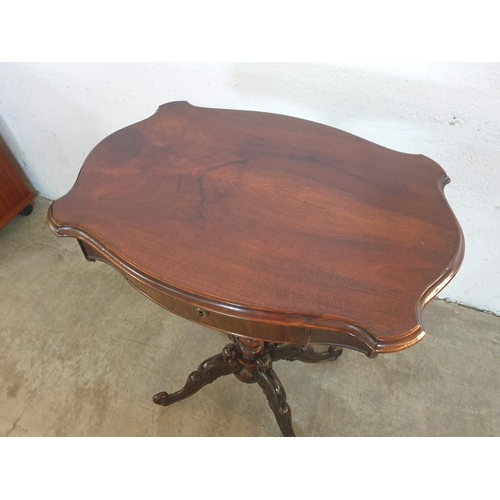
(202, 314)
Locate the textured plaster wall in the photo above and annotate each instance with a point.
(52, 115)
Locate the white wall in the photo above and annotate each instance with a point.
(53, 114)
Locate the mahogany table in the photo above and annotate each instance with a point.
(283, 233)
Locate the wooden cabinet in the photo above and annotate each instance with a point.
(15, 196)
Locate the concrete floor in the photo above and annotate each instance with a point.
(82, 353)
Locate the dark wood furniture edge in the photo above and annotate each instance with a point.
(412, 337)
(15, 211)
(15, 168)
(309, 329)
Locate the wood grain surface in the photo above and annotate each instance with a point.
(278, 228)
(14, 194)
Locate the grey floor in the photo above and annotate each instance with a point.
(81, 354)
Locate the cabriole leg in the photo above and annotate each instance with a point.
(207, 372)
(275, 393)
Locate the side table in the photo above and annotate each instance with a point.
(294, 238)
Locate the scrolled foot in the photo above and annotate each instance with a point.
(162, 398)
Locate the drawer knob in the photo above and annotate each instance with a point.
(201, 312)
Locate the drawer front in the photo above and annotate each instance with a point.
(213, 319)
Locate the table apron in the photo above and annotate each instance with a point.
(249, 328)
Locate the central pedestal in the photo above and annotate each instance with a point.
(251, 361)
